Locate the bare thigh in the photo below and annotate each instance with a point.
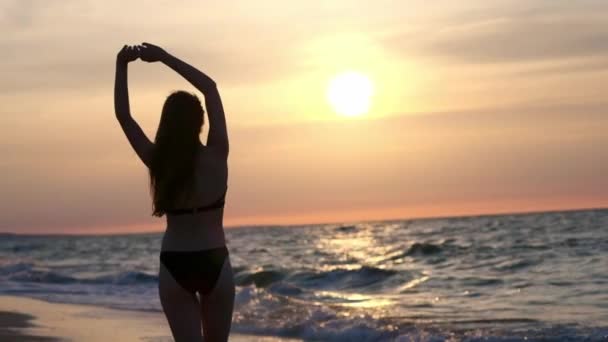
(216, 306)
(181, 308)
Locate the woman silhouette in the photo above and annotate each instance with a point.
(188, 183)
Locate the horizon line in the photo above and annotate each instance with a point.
(420, 218)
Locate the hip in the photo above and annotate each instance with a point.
(193, 238)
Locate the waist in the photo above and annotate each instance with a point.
(195, 218)
(195, 210)
(192, 237)
(223, 250)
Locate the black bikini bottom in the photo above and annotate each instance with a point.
(195, 271)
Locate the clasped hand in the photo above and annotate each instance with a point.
(146, 51)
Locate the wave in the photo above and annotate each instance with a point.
(423, 249)
(260, 278)
(343, 278)
(369, 329)
(336, 278)
(51, 277)
(418, 249)
(514, 265)
(479, 281)
(346, 229)
(29, 247)
(11, 268)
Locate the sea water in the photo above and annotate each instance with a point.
(541, 276)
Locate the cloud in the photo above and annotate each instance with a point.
(73, 45)
(514, 34)
(56, 63)
(19, 13)
(577, 66)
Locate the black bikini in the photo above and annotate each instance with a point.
(196, 271)
(215, 205)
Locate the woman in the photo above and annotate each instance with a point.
(188, 182)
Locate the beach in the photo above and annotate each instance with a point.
(31, 320)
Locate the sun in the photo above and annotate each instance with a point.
(350, 93)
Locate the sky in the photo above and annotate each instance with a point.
(478, 107)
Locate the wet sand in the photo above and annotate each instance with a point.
(30, 320)
(12, 327)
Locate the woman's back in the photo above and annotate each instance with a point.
(200, 230)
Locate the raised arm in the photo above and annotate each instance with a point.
(218, 133)
(140, 143)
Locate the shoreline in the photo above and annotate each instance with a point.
(33, 320)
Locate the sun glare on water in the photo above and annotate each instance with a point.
(350, 93)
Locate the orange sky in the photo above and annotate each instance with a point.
(490, 107)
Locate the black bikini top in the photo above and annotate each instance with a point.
(218, 204)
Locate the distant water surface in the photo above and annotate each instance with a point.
(498, 278)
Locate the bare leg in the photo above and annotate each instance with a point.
(181, 308)
(217, 306)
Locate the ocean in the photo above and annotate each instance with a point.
(541, 276)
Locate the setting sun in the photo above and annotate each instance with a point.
(350, 93)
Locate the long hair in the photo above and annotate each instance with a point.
(175, 150)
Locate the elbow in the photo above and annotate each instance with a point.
(223, 149)
(122, 116)
(209, 86)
